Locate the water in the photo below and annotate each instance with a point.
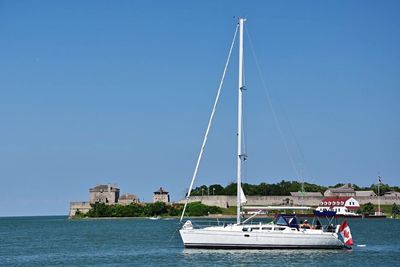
(57, 241)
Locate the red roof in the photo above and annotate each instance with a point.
(338, 201)
(344, 199)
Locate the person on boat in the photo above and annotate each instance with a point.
(305, 225)
(318, 225)
(330, 228)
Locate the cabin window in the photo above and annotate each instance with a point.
(279, 228)
(267, 228)
(254, 228)
(245, 229)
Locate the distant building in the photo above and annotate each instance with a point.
(78, 206)
(392, 194)
(161, 196)
(341, 205)
(344, 191)
(368, 193)
(105, 193)
(306, 194)
(108, 194)
(127, 199)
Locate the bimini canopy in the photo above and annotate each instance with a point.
(287, 220)
(327, 213)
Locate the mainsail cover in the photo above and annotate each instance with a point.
(243, 198)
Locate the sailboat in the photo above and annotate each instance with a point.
(283, 232)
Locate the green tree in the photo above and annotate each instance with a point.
(155, 209)
(368, 208)
(383, 188)
(395, 210)
(79, 214)
(99, 210)
(217, 189)
(175, 210)
(199, 209)
(338, 185)
(231, 189)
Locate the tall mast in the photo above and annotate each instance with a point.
(239, 130)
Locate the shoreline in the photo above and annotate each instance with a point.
(217, 216)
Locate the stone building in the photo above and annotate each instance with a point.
(366, 193)
(344, 191)
(126, 199)
(392, 194)
(108, 194)
(161, 196)
(81, 206)
(105, 193)
(306, 194)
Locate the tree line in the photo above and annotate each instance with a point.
(147, 210)
(282, 188)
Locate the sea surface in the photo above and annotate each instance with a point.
(57, 241)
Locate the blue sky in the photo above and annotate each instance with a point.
(120, 91)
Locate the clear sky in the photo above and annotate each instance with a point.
(120, 91)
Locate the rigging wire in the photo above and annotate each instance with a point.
(244, 163)
(276, 120)
(302, 164)
(244, 124)
(209, 123)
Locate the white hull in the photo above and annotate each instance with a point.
(233, 236)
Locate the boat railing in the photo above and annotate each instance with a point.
(199, 224)
(208, 223)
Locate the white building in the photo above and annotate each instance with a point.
(341, 205)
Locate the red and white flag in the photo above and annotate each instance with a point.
(345, 232)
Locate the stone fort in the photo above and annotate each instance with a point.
(109, 194)
(299, 198)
